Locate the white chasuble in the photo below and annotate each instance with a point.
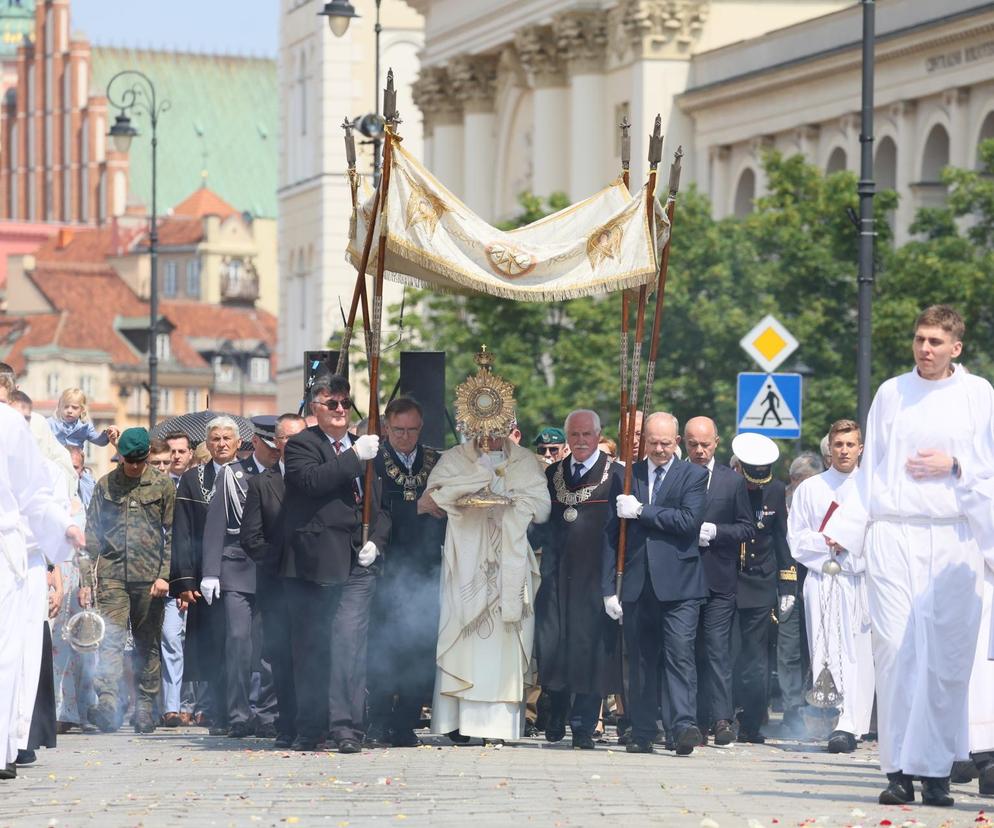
(923, 543)
(26, 503)
(489, 580)
(835, 607)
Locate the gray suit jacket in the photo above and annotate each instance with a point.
(224, 557)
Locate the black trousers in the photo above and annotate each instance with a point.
(665, 630)
(753, 666)
(792, 660)
(329, 626)
(276, 651)
(714, 659)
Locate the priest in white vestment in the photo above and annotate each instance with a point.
(489, 580)
(835, 606)
(26, 500)
(920, 514)
(982, 693)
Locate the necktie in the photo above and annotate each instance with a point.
(577, 474)
(356, 490)
(660, 471)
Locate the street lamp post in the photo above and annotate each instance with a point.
(867, 233)
(340, 14)
(138, 94)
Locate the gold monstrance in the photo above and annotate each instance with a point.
(484, 410)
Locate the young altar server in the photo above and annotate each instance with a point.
(835, 596)
(920, 514)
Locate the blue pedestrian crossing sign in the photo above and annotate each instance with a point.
(770, 404)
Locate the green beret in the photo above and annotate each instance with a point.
(550, 436)
(133, 444)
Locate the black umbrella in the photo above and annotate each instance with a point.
(194, 426)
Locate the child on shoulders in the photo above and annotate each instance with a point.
(71, 422)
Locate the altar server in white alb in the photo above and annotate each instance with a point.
(838, 620)
(26, 502)
(921, 513)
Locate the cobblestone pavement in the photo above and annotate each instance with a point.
(183, 777)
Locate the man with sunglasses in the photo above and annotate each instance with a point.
(129, 533)
(330, 566)
(550, 445)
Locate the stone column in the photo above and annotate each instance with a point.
(719, 158)
(582, 37)
(433, 95)
(474, 79)
(903, 114)
(550, 138)
(957, 103)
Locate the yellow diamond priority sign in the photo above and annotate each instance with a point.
(769, 343)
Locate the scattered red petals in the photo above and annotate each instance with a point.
(886, 822)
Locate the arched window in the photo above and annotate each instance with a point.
(986, 133)
(745, 193)
(836, 161)
(936, 155)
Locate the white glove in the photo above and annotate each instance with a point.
(210, 588)
(612, 606)
(367, 446)
(786, 605)
(368, 553)
(629, 507)
(708, 531)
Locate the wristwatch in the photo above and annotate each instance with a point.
(955, 470)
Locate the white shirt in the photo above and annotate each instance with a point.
(345, 442)
(407, 459)
(282, 468)
(585, 466)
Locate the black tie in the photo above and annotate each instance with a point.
(577, 474)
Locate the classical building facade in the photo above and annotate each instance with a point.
(527, 94)
(322, 80)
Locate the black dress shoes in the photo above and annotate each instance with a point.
(304, 745)
(264, 730)
(583, 741)
(639, 746)
(9, 771)
(723, 733)
(349, 745)
(986, 778)
(405, 738)
(284, 741)
(963, 772)
(935, 791)
(240, 730)
(899, 791)
(752, 737)
(457, 737)
(26, 757)
(841, 742)
(689, 738)
(555, 730)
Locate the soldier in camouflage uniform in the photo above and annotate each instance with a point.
(129, 533)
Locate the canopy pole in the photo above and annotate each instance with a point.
(655, 156)
(626, 162)
(373, 427)
(359, 292)
(664, 264)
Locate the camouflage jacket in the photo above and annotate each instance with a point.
(129, 527)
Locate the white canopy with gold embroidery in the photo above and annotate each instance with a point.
(601, 244)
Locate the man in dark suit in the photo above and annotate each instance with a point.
(664, 585)
(203, 647)
(404, 626)
(229, 574)
(766, 570)
(262, 539)
(727, 525)
(328, 563)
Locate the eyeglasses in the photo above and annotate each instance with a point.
(159, 462)
(549, 449)
(397, 430)
(331, 405)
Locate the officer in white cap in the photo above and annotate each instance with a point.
(767, 576)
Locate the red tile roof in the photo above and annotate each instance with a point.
(204, 202)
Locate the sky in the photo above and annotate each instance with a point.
(244, 27)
